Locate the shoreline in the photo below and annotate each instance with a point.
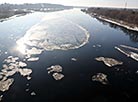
(116, 22)
(119, 23)
(124, 18)
(11, 17)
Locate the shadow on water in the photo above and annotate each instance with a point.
(133, 35)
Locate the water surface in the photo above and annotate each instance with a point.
(64, 27)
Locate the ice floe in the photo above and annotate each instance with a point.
(110, 62)
(73, 59)
(25, 72)
(57, 76)
(33, 93)
(26, 90)
(56, 68)
(33, 59)
(1, 96)
(11, 66)
(22, 64)
(56, 72)
(52, 35)
(34, 51)
(129, 47)
(11, 59)
(128, 53)
(97, 45)
(100, 77)
(5, 84)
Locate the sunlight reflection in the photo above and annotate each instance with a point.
(21, 47)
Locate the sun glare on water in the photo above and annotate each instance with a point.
(21, 47)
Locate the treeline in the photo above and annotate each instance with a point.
(7, 10)
(125, 15)
(32, 6)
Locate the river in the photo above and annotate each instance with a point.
(57, 37)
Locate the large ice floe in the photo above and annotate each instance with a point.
(110, 62)
(55, 34)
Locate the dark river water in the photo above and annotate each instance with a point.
(70, 34)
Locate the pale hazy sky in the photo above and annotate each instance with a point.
(109, 3)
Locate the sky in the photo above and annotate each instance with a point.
(90, 3)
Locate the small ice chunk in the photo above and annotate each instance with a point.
(57, 76)
(1, 96)
(5, 66)
(1, 76)
(100, 77)
(122, 51)
(25, 72)
(33, 59)
(33, 93)
(98, 45)
(110, 62)
(5, 84)
(131, 54)
(28, 78)
(22, 64)
(11, 59)
(129, 47)
(56, 68)
(34, 51)
(13, 65)
(73, 59)
(6, 53)
(134, 56)
(10, 73)
(93, 46)
(26, 90)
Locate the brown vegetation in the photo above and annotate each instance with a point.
(125, 15)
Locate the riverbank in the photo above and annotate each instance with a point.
(8, 11)
(120, 17)
(7, 15)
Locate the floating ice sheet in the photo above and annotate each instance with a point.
(56, 33)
